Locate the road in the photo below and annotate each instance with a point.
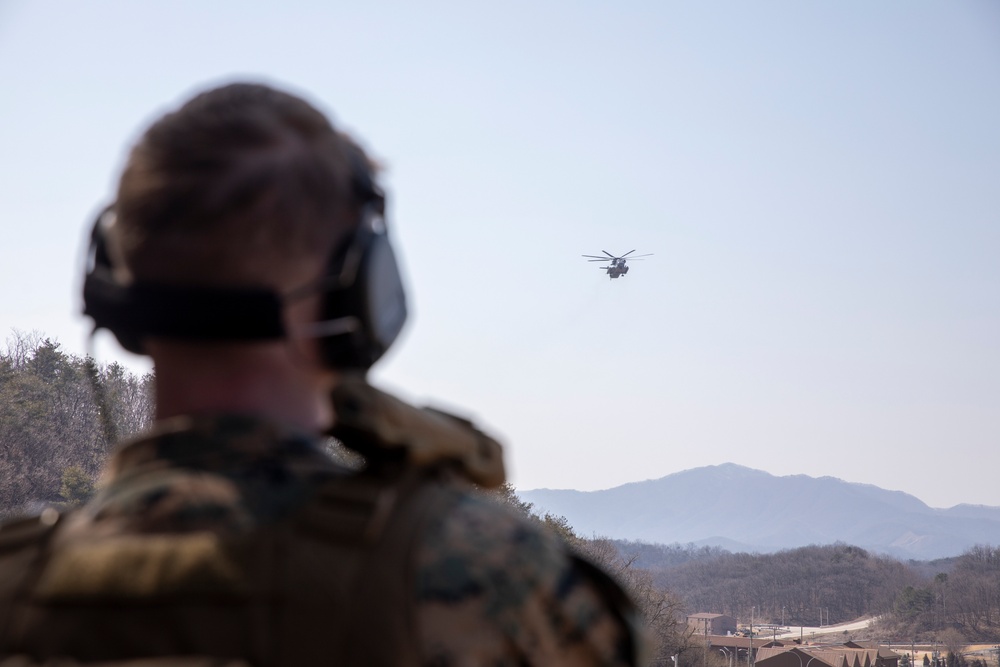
(808, 630)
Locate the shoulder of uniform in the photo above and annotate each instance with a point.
(491, 570)
(472, 510)
(632, 643)
(489, 540)
(23, 531)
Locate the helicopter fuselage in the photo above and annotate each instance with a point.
(617, 269)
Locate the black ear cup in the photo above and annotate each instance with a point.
(364, 307)
(368, 295)
(105, 300)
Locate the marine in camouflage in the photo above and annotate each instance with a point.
(486, 587)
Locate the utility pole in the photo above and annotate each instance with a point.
(705, 658)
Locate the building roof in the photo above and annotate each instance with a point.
(883, 651)
(706, 615)
(837, 655)
(728, 641)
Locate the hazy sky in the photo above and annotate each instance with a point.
(819, 182)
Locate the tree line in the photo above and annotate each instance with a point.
(813, 585)
(965, 598)
(824, 585)
(60, 414)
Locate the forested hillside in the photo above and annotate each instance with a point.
(54, 435)
(839, 581)
(846, 582)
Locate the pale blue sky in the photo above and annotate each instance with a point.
(819, 182)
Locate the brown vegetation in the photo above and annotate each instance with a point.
(54, 435)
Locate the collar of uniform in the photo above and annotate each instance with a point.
(212, 442)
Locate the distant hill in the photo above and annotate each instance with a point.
(742, 509)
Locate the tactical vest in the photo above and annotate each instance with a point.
(331, 584)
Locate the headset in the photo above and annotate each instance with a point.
(363, 303)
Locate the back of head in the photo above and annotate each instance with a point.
(243, 185)
(244, 216)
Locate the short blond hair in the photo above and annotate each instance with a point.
(242, 185)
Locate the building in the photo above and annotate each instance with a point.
(734, 648)
(845, 655)
(711, 624)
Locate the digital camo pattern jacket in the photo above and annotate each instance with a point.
(231, 537)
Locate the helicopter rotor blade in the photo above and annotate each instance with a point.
(626, 256)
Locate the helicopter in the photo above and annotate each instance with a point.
(616, 265)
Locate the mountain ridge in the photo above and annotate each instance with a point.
(733, 504)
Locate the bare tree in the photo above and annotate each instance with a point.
(59, 416)
(662, 612)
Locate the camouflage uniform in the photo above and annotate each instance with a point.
(485, 586)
